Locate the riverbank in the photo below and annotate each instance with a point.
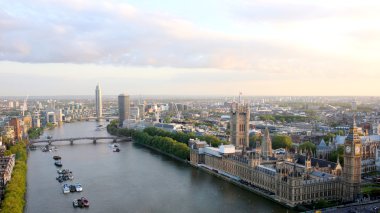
(164, 153)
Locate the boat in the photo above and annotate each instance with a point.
(99, 125)
(115, 145)
(116, 149)
(66, 188)
(75, 203)
(78, 187)
(72, 188)
(85, 202)
(58, 163)
(49, 137)
(56, 157)
(98, 129)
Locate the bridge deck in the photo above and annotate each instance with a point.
(79, 138)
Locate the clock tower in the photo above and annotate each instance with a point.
(352, 164)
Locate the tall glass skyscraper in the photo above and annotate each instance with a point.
(98, 101)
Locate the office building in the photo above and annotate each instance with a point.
(124, 108)
(98, 101)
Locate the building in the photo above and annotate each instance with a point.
(6, 167)
(239, 125)
(27, 124)
(98, 101)
(51, 118)
(8, 132)
(124, 108)
(36, 122)
(292, 179)
(135, 112)
(323, 151)
(142, 111)
(266, 145)
(16, 123)
(352, 164)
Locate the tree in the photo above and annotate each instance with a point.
(334, 155)
(281, 141)
(309, 146)
(253, 140)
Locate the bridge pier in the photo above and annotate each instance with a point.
(94, 141)
(114, 140)
(71, 142)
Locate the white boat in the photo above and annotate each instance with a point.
(115, 145)
(78, 187)
(66, 188)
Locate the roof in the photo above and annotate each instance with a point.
(322, 143)
(370, 138)
(321, 174)
(314, 161)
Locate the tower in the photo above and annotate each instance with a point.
(98, 101)
(124, 105)
(239, 125)
(266, 144)
(352, 164)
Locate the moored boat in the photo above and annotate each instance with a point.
(78, 187)
(72, 188)
(66, 188)
(58, 163)
(56, 157)
(85, 202)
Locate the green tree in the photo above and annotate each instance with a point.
(309, 146)
(281, 141)
(253, 140)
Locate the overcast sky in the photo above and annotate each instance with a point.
(197, 47)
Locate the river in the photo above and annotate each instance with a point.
(136, 179)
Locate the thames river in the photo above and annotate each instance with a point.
(134, 180)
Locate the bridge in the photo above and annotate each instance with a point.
(93, 139)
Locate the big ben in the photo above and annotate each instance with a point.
(352, 164)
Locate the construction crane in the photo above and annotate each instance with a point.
(24, 106)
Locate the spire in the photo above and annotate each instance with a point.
(354, 122)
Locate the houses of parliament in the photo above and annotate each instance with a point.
(292, 179)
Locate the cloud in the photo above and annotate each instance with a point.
(297, 40)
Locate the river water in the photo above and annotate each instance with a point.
(134, 180)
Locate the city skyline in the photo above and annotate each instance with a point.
(291, 48)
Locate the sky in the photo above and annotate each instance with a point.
(198, 47)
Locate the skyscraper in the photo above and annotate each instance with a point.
(98, 101)
(124, 106)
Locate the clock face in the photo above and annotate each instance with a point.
(348, 149)
(357, 149)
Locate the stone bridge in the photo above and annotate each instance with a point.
(93, 139)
